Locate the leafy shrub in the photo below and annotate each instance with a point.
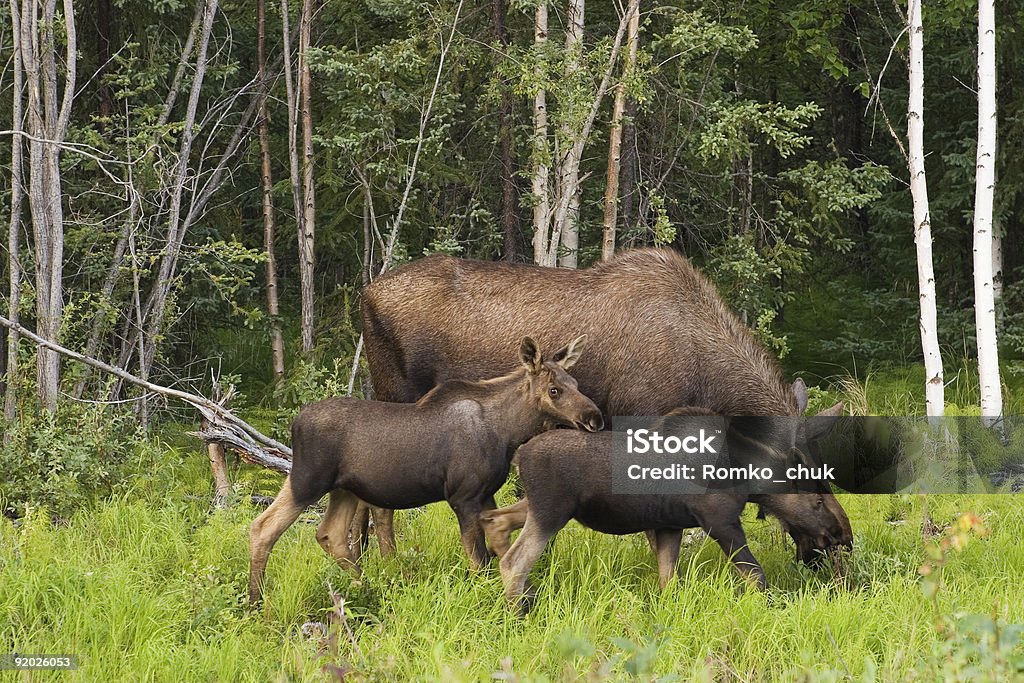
(61, 461)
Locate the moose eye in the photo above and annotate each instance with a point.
(554, 391)
(820, 503)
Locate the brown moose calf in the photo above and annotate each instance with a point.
(455, 444)
(568, 475)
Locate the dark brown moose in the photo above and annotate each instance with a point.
(568, 475)
(661, 337)
(455, 444)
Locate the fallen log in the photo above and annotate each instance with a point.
(220, 425)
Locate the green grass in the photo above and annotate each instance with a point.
(150, 585)
(144, 591)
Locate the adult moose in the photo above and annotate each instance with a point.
(455, 444)
(662, 336)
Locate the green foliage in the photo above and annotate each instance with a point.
(63, 461)
(737, 126)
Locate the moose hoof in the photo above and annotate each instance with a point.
(523, 603)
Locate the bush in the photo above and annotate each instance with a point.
(63, 460)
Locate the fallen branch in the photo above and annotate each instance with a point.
(224, 426)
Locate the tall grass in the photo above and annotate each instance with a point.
(150, 585)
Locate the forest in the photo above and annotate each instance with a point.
(198, 191)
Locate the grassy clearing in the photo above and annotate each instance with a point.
(143, 589)
(150, 585)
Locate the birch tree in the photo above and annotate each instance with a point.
(541, 153)
(567, 222)
(984, 189)
(611, 195)
(934, 387)
(273, 307)
(556, 210)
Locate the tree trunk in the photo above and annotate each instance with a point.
(273, 310)
(984, 187)
(48, 118)
(567, 225)
(611, 194)
(183, 63)
(541, 155)
(513, 238)
(156, 305)
(113, 276)
(14, 230)
(307, 226)
(104, 39)
(628, 190)
(934, 388)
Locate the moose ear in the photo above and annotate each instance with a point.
(529, 354)
(819, 426)
(568, 356)
(800, 393)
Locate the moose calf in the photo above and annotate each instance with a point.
(568, 475)
(455, 444)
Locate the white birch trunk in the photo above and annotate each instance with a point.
(934, 387)
(539, 182)
(566, 227)
(984, 187)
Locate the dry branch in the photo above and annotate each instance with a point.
(224, 426)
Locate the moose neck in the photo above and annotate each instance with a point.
(511, 410)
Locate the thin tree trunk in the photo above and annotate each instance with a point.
(567, 225)
(96, 327)
(984, 188)
(307, 226)
(611, 194)
(293, 117)
(568, 194)
(934, 388)
(513, 251)
(104, 38)
(14, 230)
(541, 154)
(183, 63)
(628, 172)
(273, 310)
(157, 304)
(48, 117)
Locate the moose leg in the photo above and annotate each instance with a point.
(652, 540)
(359, 531)
(733, 542)
(520, 558)
(384, 523)
(333, 532)
(264, 532)
(499, 524)
(666, 550)
(473, 541)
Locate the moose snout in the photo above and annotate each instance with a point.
(594, 422)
